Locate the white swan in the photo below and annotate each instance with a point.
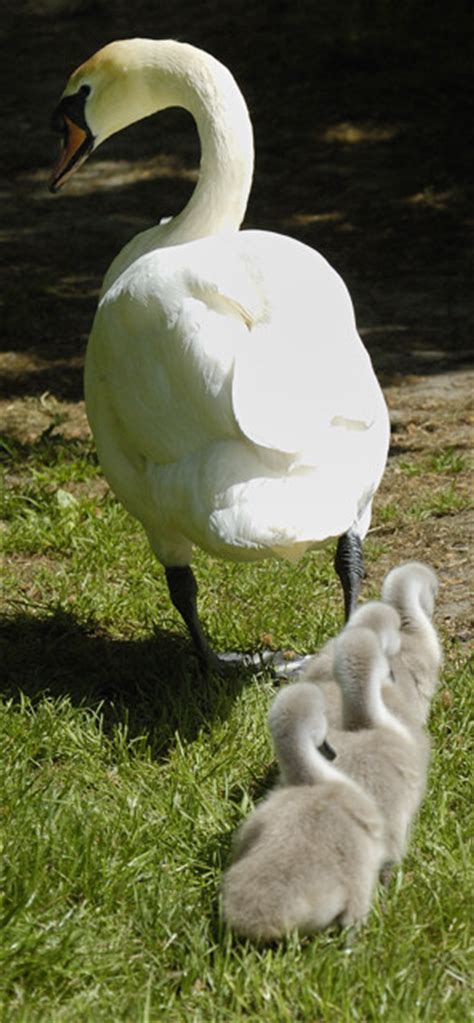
(310, 854)
(232, 402)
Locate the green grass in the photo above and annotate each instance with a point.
(123, 776)
(447, 501)
(445, 461)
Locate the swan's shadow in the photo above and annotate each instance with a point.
(153, 686)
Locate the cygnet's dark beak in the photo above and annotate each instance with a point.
(327, 750)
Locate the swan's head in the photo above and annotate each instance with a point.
(384, 620)
(105, 94)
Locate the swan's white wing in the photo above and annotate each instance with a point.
(303, 372)
(247, 334)
(243, 407)
(163, 346)
(269, 311)
(294, 407)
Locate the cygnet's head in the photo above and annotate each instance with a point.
(361, 670)
(299, 707)
(384, 620)
(410, 585)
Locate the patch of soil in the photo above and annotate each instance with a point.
(432, 416)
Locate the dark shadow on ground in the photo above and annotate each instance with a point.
(154, 686)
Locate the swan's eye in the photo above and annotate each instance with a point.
(73, 107)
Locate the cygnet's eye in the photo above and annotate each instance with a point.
(85, 89)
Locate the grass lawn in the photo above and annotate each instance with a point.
(123, 776)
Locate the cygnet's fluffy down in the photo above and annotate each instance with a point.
(402, 621)
(384, 621)
(388, 759)
(310, 854)
(412, 589)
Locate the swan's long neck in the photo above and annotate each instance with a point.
(220, 198)
(157, 74)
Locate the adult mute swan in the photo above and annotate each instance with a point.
(232, 402)
(310, 854)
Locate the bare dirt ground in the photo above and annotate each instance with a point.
(360, 121)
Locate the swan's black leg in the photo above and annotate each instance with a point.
(183, 590)
(349, 565)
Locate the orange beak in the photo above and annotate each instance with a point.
(77, 146)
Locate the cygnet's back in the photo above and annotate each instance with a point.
(384, 621)
(412, 589)
(310, 854)
(374, 747)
